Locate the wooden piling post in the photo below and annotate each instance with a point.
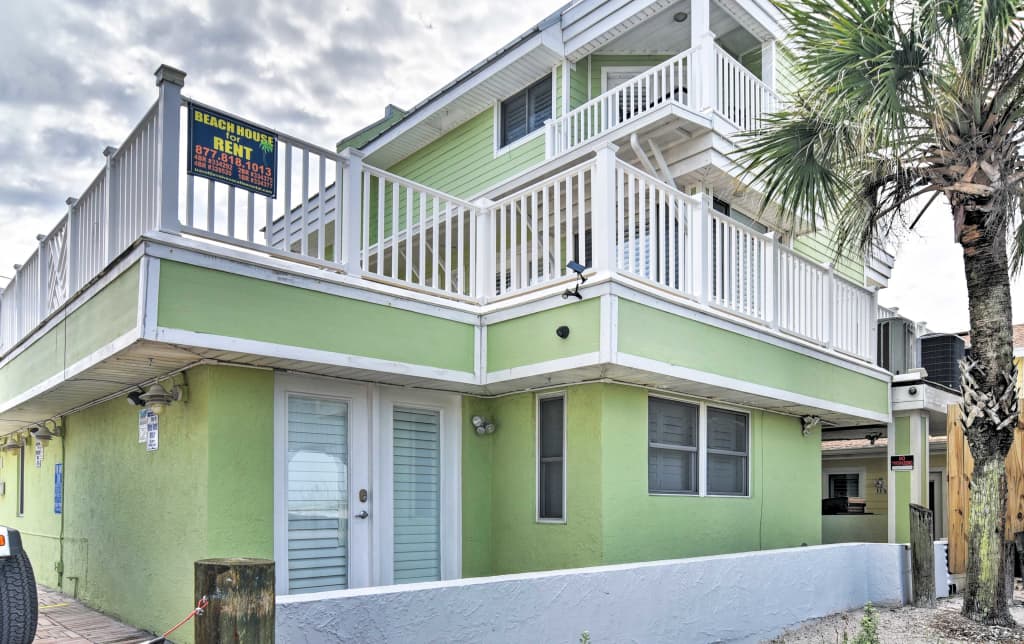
(240, 592)
(922, 556)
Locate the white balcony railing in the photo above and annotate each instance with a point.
(703, 78)
(334, 212)
(667, 83)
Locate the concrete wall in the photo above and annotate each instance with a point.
(737, 598)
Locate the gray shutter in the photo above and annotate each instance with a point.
(317, 494)
(417, 495)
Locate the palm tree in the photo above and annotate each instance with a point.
(893, 102)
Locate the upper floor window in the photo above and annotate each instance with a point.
(525, 112)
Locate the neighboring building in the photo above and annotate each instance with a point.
(397, 382)
(856, 461)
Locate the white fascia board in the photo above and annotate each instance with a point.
(766, 15)
(549, 38)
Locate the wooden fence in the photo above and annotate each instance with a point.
(960, 464)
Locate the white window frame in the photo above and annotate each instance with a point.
(862, 478)
(498, 149)
(702, 449)
(636, 69)
(565, 441)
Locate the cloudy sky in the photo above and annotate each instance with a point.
(78, 74)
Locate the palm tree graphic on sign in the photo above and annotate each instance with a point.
(267, 147)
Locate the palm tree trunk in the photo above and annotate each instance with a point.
(990, 417)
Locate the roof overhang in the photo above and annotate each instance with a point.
(503, 74)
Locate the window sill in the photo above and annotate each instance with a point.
(518, 142)
(694, 495)
(552, 521)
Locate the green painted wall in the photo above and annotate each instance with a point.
(135, 521)
(40, 527)
(818, 247)
(103, 318)
(610, 517)
(462, 162)
(783, 509)
(477, 462)
(531, 338)
(519, 542)
(901, 494)
(650, 333)
(210, 301)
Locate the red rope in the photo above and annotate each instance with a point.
(198, 610)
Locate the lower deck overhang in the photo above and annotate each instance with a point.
(171, 304)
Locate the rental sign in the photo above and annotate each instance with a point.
(226, 149)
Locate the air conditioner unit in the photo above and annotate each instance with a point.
(940, 356)
(896, 345)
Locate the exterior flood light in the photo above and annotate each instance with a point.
(808, 423)
(482, 426)
(157, 398)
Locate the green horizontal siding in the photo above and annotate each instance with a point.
(578, 83)
(818, 247)
(463, 163)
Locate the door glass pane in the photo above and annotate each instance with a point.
(417, 472)
(317, 494)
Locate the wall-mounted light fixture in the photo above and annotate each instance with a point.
(14, 442)
(880, 485)
(577, 268)
(807, 423)
(483, 426)
(45, 432)
(157, 398)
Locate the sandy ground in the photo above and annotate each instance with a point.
(909, 624)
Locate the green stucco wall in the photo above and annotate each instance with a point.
(782, 510)
(103, 318)
(655, 334)
(531, 338)
(135, 521)
(610, 517)
(209, 301)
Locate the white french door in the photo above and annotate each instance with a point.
(366, 485)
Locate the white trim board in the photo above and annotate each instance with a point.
(713, 379)
(289, 352)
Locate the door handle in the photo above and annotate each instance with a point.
(361, 515)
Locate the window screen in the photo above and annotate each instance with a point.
(672, 432)
(526, 111)
(551, 468)
(728, 450)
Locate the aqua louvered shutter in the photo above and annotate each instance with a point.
(417, 495)
(317, 494)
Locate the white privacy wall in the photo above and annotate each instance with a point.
(735, 598)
